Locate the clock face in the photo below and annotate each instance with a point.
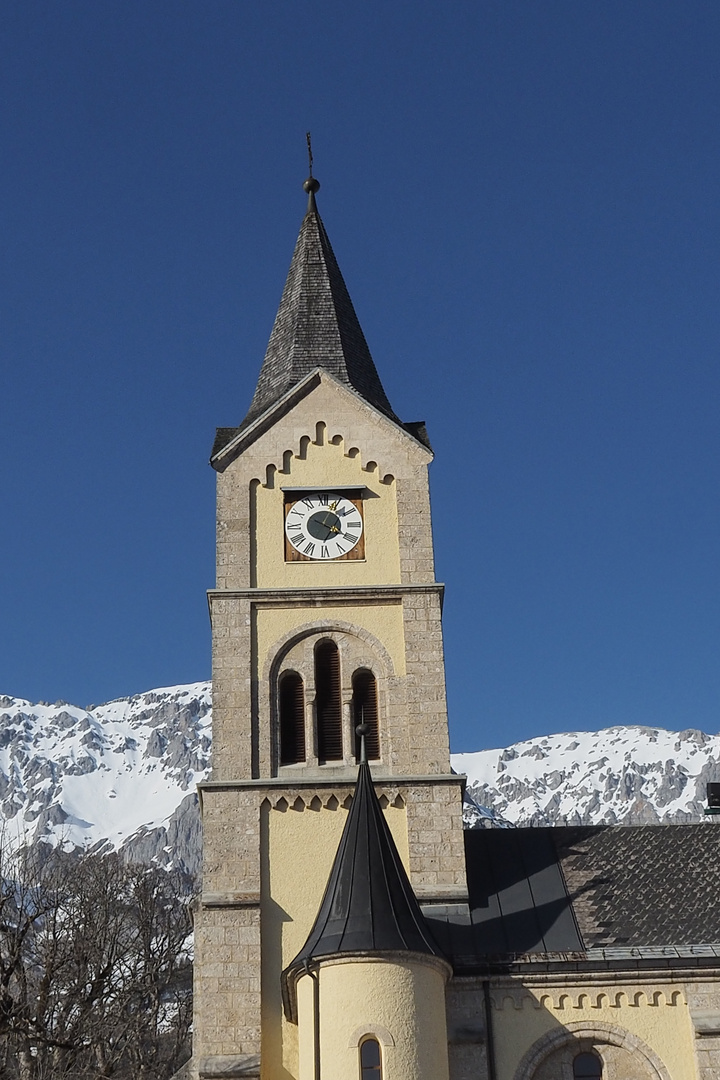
(323, 525)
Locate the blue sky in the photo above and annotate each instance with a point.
(523, 199)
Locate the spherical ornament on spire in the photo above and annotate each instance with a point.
(311, 185)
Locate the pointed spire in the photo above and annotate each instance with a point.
(316, 325)
(369, 905)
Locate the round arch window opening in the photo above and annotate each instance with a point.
(370, 1060)
(587, 1066)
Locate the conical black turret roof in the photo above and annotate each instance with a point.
(369, 905)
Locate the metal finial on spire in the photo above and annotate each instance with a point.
(362, 730)
(311, 185)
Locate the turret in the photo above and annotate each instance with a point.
(367, 989)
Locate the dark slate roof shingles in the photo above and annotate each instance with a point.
(316, 326)
(649, 885)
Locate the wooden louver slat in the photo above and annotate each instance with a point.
(328, 702)
(291, 698)
(365, 707)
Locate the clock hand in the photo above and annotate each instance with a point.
(326, 523)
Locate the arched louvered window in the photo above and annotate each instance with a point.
(587, 1067)
(328, 702)
(365, 708)
(291, 698)
(370, 1060)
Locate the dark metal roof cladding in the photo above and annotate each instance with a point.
(369, 905)
(316, 326)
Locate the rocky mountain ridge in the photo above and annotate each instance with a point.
(122, 775)
(118, 775)
(616, 776)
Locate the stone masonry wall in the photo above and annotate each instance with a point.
(232, 755)
(227, 982)
(428, 739)
(703, 999)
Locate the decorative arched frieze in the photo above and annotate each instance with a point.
(572, 1032)
(509, 997)
(284, 462)
(566, 999)
(300, 800)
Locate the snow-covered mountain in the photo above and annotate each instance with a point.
(123, 775)
(621, 775)
(116, 775)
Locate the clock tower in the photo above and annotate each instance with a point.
(326, 613)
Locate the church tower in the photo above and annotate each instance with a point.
(326, 614)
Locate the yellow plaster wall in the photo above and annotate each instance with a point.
(326, 466)
(659, 1016)
(298, 849)
(383, 621)
(406, 1000)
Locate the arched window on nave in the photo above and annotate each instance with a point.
(587, 1066)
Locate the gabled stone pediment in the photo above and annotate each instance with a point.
(329, 397)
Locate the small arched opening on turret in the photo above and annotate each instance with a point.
(365, 710)
(291, 700)
(370, 1059)
(328, 702)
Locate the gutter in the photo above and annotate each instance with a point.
(489, 1034)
